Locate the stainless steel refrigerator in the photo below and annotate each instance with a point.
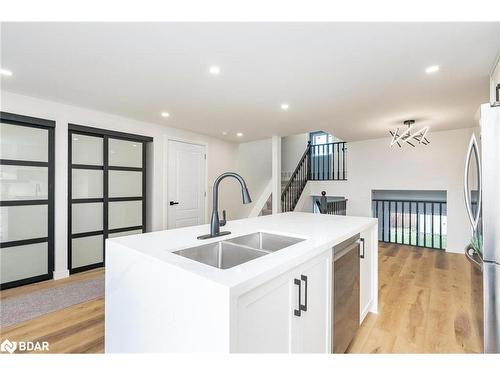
(482, 197)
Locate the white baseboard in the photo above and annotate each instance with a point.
(60, 274)
(368, 309)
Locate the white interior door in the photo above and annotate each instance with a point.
(185, 184)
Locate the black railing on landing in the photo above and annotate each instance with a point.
(318, 163)
(328, 161)
(412, 222)
(333, 208)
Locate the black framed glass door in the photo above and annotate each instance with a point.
(106, 191)
(26, 200)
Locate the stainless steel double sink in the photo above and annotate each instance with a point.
(235, 251)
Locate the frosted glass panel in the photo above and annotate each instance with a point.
(86, 250)
(23, 143)
(125, 214)
(127, 233)
(23, 222)
(86, 183)
(86, 217)
(86, 149)
(125, 153)
(21, 262)
(20, 182)
(125, 184)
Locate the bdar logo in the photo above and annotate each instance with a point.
(8, 346)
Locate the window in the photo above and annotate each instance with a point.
(107, 192)
(26, 200)
(320, 138)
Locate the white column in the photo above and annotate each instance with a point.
(61, 198)
(276, 173)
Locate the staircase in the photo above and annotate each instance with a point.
(298, 180)
(323, 162)
(268, 207)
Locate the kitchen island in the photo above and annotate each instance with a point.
(163, 296)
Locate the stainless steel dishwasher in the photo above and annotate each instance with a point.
(345, 293)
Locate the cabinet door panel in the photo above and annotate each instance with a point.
(310, 331)
(264, 318)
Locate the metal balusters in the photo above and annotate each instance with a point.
(440, 225)
(432, 224)
(343, 161)
(394, 231)
(310, 167)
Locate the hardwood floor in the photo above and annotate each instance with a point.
(75, 329)
(424, 307)
(425, 301)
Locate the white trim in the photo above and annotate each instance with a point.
(495, 65)
(166, 139)
(259, 204)
(493, 70)
(56, 275)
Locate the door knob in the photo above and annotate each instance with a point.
(173, 203)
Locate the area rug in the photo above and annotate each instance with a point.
(15, 310)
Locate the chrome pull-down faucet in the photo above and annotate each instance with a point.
(215, 223)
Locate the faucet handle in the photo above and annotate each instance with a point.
(223, 221)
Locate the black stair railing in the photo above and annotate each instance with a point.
(298, 180)
(328, 161)
(338, 207)
(319, 162)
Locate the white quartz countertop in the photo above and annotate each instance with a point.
(321, 232)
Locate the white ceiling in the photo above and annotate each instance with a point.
(355, 80)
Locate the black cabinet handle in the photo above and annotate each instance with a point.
(296, 312)
(304, 306)
(173, 203)
(362, 254)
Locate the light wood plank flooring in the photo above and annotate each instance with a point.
(424, 307)
(75, 329)
(425, 304)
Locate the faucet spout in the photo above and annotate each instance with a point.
(214, 219)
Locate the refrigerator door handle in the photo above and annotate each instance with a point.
(473, 148)
(470, 253)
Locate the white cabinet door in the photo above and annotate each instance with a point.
(310, 330)
(264, 318)
(367, 258)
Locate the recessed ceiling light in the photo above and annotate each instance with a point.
(5, 72)
(224, 133)
(165, 114)
(214, 70)
(285, 106)
(432, 69)
(239, 134)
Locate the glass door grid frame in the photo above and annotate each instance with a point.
(105, 200)
(49, 125)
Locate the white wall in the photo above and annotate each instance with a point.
(292, 148)
(253, 162)
(373, 165)
(220, 158)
